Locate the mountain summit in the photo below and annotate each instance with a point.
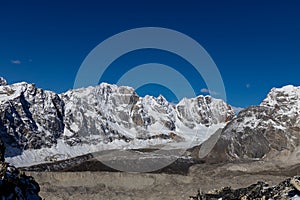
(270, 131)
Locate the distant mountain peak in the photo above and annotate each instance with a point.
(2, 81)
(287, 95)
(270, 131)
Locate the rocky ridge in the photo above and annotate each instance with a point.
(270, 131)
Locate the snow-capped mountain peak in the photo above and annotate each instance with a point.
(268, 131)
(2, 81)
(286, 95)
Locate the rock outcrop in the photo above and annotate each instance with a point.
(15, 184)
(288, 189)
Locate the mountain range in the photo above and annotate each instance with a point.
(39, 126)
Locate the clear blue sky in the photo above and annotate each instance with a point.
(255, 44)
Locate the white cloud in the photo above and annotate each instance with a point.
(207, 91)
(16, 62)
(248, 85)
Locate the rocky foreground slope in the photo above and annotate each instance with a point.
(15, 184)
(288, 189)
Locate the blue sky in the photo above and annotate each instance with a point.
(255, 44)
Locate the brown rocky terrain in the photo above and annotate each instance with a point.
(138, 186)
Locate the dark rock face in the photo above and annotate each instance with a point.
(14, 184)
(287, 189)
(2, 151)
(30, 117)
